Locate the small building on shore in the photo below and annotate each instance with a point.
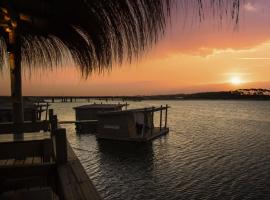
(133, 124)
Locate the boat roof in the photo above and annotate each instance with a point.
(136, 110)
(100, 106)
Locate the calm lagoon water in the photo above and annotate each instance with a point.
(215, 150)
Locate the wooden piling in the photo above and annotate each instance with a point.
(50, 114)
(61, 146)
(144, 123)
(152, 122)
(166, 116)
(46, 114)
(160, 123)
(54, 124)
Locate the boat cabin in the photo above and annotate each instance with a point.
(133, 124)
(87, 115)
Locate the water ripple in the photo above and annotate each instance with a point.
(215, 150)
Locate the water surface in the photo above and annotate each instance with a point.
(215, 150)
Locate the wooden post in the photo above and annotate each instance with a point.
(166, 116)
(47, 147)
(144, 123)
(34, 115)
(61, 146)
(50, 115)
(152, 122)
(54, 124)
(160, 122)
(14, 49)
(39, 112)
(46, 114)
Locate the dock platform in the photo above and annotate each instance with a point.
(42, 165)
(74, 181)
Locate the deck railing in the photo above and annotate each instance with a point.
(152, 110)
(39, 156)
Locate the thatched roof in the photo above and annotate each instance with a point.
(95, 33)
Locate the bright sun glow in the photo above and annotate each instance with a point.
(236, 80)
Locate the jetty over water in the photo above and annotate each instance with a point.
(37, 164)
(70, 99)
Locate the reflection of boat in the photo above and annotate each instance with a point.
(128, 162)
(117, 148)
(132, 125)
(87, 115)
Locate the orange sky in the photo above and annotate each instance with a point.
(191, 57)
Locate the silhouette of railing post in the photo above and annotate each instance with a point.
(152, 120)
(166, 116)
(59, 139)
(144, 122)
(160, 122)
(50, 114)
(60, 146)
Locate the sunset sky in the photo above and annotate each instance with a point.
(193, 56)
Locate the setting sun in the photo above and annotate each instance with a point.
(236, 80)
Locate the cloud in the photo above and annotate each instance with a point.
(254, 58)
(189, 36)
(250, 7)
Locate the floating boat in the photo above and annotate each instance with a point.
(87, 115)
(133, 124)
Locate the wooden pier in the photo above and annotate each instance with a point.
(73, 99)
(42, 165)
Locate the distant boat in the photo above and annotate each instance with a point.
(132, 125)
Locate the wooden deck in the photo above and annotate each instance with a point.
(42, 165)
(26, 162)
(157, 132)
(28, 126)
(74, 181)
(43, 193)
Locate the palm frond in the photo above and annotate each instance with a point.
(95, 33)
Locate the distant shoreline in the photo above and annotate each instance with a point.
(241, 94)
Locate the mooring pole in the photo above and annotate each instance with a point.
(160, 125)
(152, 120)
(166, 116)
